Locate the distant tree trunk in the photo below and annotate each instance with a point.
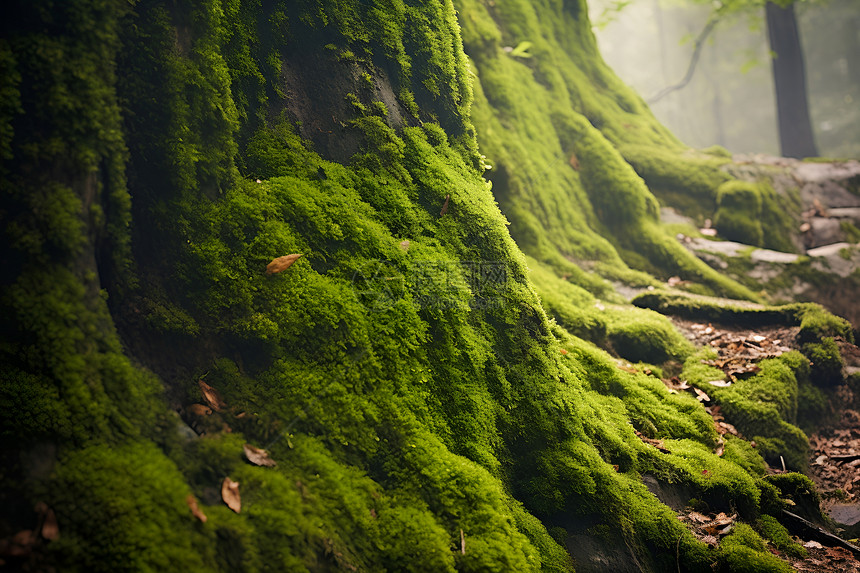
(716, 88)
(853, 49)
(789, 78)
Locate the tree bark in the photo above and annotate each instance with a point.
(789, 78)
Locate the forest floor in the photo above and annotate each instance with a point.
(834, 463)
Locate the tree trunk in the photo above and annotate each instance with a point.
(789, 78)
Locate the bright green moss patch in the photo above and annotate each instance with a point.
(573, 307)
(117, 505)
(745, 551)
(764, 408)
(826, 367)
(738, 214)
(682, 180)
(773, 531)
(740, 452)
(646, 337)
(814, 321)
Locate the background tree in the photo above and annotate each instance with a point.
(746, 100)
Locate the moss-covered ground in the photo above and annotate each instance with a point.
(437, 381)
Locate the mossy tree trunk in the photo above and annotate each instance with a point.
(404, 373)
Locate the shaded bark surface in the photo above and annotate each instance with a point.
(789, 78)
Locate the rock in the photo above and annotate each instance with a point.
(671, 216)
(729, 248)
(768, 256)
(850, 213)
(838, 258)
(825, 231)
(847, 515)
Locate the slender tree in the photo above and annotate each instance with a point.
(789, 80)
(789, 75)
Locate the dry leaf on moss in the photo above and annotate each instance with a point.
(230, 494)
(212, 397)
(281, 263)
(257, 456)
(50, 528)
(445, 206)
(701, 396)
(195, 509)
(199, 410)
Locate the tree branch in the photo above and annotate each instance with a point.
(697, 51)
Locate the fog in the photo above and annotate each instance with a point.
(730, 100)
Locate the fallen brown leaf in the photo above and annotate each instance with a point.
(257, 456)
(698, 517)
(212, 397)
(281, 264)
(230, 494)
(195, 509)
(701, 396)
(50, 528)
(199, 410)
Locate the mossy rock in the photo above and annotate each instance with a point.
(738, 214)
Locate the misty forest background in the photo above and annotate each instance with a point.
(730, 100)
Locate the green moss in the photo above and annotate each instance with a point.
(645, 336)
(738, 214)
(852, 233)
(117, 504)
(740, 452)
(718, 151)
(800, 490)
(773, 531)
(403, 372)
(683, 180)
(814, 321)
(827, 364)
(764, 408)
(744, 551)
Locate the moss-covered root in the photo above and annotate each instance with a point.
(744, 551)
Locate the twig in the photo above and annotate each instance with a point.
(697, 51)
(808, 530)
(462, 542)
(678, 553)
